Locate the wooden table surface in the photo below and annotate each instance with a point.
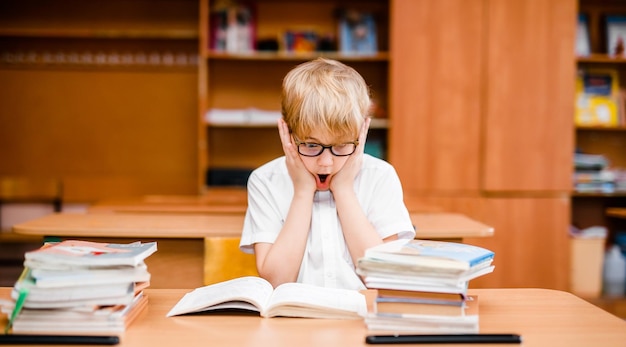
(542, 317)
(181, 237)
(429, 225)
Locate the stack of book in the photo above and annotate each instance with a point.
(80, 287)
(422, 286)
(592, 174)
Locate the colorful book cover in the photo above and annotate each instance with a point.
(85, 253)
(357, 33)
(597, 98)
(431, 253)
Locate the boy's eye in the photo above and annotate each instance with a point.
(310, 145)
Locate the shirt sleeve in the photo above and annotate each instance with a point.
(263, 219)
(386, 209)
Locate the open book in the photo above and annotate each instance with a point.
(287, 300)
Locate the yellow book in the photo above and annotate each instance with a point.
(597, 98)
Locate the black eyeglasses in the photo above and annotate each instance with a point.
(312, 149)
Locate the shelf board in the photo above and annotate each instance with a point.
(601, 58)
(601, 128)
(377, 123)
(618, 194)
(299, 56)
(91, 33)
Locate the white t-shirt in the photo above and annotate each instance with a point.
(326, 261)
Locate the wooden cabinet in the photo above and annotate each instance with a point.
(252, 80)
(484, 90)
(100, 95)
(435, 94)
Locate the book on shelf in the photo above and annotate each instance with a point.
(246, 116)
(300, 41)
(357, 32)
(70, 253)
(583, 41)
(233, 28)
(598, 98)
(255, 294)
(590, 162)
(616, 35)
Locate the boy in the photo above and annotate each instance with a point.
(313, 212)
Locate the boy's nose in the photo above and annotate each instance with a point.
(326, 158)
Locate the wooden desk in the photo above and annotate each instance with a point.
(543, 317)
(179, 261)
(451, 226)
(216, 201)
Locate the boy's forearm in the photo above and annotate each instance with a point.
(358, 232)
(282, 262)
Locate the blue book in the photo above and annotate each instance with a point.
(437, 255)
(358, 34)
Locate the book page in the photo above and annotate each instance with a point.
(249, 292)
(304, 300)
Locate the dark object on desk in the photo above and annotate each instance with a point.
(11, 339)
(446, 338)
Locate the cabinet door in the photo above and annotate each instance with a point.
(530, 75)
(531, 242)
(435, 109)
(531, 238)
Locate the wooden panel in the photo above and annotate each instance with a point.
(435, 93)
(530, 86)
(147, 18)
(530, 238)
(531, 243)
(101, 131)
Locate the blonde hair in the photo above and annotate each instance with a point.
(327, 96)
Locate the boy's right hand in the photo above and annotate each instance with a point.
(303, 180)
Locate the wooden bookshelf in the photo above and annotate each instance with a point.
(589, 208)
(232, 81)
(100, 95)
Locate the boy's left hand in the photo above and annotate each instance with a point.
(345, 177)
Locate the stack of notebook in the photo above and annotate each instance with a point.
(422, 286)
(79, 287)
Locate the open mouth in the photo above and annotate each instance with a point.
(323, 178)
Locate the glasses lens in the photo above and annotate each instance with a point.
(310, 149)
(344, 149)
